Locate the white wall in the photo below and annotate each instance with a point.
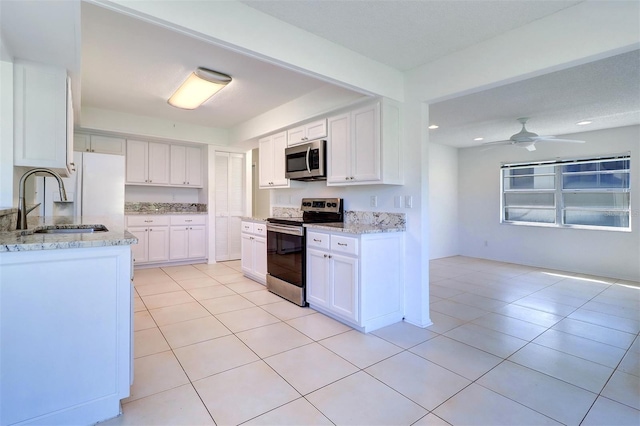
(597, 252)
(114, 121)
(443, 201)
(6, 126)
(152, 194)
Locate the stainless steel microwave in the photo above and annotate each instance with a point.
(306, 161)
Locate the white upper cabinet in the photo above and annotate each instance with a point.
(43, 117)
(147, 163)
(186, 166)
(99, 143)
(307, 132)
(272, 161)
(363, 146)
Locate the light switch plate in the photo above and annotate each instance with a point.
(408, 201)
(374, 201)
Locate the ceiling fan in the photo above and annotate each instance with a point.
(527, 139)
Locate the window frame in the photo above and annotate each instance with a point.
(559, 192)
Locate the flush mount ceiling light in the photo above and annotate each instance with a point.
(197, 88)
(478, 139)
(433, 126)
(583, 123)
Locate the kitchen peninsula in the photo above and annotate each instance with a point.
(65, 320)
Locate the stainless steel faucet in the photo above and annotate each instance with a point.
(22, 206)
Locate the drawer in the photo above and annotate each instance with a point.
(155, 220)
(247, 227)
(317, 240)
(188, 219)
(347, 245)
(260, 228)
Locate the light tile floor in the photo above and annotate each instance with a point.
(510, 345)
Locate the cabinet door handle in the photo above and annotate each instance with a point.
(88, 150)
(329, 256)
(325, 256)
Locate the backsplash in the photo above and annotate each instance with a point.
(151, 208)
(286, 212)
(375, 218)
(8, 219)
(353, 217)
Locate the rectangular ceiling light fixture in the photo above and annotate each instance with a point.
(198, 88)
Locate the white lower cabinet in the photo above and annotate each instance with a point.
(356, 279)
(188, 236)
(164, 238)
(254, 251)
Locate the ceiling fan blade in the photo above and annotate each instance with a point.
(506, 142)
(554, 139)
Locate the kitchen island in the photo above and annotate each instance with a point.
(65, 321)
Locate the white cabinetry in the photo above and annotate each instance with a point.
(356, 279)
(99, 143)
(186, 166)
(254, 251)
(188, 237)
(43, 117)
(307, 132)
(147, 163)
(272, 161)
(153, 238)
(363, 146)
(66, 335)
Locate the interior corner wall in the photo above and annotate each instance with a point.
(596, 252)
(6, 127)
(443, 201)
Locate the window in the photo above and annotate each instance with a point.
(585, 193)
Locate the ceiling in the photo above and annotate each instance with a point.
(133, 66)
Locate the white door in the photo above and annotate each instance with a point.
(265, 158)
(193, 173)
(339, 150)
(317, 278)
(178, 162)
(140, 254)
(366, 144)
(159, 163)
(344, 297)
(247, 253)
(179, 237)
(260, 256)
(229, 204)
(197, 241)
(137, 161)
(158, 243)
(279, 142)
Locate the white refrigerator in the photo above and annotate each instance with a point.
(95, 189)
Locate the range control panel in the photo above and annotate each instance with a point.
(328, 205)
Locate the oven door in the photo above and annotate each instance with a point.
(286, 253)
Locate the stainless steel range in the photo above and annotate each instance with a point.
(286, 246)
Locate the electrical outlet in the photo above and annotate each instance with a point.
(397, 202)
(374, 201)
(408, 201)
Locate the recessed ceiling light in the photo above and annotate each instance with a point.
(433, 126)
(583, 123)
(478, 139)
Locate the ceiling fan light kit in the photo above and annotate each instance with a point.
(527, 139)
(201, 85)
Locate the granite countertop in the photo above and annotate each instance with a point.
(161, 213)
(356, 228)
(253, 219)
(27, 240)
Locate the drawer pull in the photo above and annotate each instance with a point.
(188, 220)
(342, 244)
(317, 241)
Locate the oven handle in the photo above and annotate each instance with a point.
(307, 158)
(283, 229)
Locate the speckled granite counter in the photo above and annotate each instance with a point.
(140, 208)
(27, 240)
(253, 219)
(355, 228)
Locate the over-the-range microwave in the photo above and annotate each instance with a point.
(306, 161)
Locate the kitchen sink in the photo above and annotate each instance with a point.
(79, 229)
